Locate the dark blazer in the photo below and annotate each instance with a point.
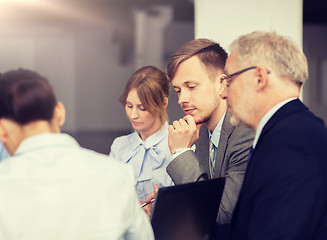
(234, 146)
(284, 194)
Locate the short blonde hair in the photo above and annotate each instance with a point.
(281, 53)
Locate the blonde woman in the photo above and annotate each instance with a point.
(145, 99)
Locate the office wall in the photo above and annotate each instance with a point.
(315, 48)
(81, 64)
(223, 21)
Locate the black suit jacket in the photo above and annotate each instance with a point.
(284, 194)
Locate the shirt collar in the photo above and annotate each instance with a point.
(214, 137)
(266, 118)
(45, 140)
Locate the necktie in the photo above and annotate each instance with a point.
(211, 158)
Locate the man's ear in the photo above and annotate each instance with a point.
(59, 115)
(221, 84)
(166, 101)
(261, 78)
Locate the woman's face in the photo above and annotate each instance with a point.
(142, 120)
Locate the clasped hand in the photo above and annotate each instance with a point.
(183, 133)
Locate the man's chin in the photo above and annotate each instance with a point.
(201, 121)
(234, 120)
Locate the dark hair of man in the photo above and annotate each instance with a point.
(210, 53)
(25, 97)
(152, 86)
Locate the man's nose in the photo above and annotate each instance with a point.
(183, 98)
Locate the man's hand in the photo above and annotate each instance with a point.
(183, 133)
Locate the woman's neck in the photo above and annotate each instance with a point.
(149, 132)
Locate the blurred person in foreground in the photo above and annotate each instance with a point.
(51, 188)
(284, 194)
(145, 100)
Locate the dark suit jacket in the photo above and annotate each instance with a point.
(231, 156)
(284, 194)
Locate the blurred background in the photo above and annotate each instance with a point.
(89, 48)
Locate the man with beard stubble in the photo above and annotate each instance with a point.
(195, 71)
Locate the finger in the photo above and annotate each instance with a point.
(183, 123)
(147, 210)
(156, 188)
(190, 120)
(150, 196)
(176, 125)
(171, 128)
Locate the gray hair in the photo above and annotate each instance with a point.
(281, 54)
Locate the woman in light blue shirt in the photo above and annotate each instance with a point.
(145, 99)
(3, 152)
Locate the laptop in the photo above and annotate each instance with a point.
(187, 211)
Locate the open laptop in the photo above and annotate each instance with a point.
(187, 211)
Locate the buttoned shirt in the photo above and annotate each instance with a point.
(148, 158)
(54, 189)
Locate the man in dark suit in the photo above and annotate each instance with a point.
(284, 194)
(195, 71)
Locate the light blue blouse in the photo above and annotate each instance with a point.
(148, 158)
(3, 152)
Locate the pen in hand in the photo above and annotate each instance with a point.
(147, 203)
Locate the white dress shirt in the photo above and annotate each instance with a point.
(148, 158)
(52, 189)
(267, 117)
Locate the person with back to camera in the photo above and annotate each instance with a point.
(145, 99)
(51, 188)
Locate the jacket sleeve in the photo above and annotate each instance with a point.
(185, 168)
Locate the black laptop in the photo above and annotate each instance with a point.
(187, 211)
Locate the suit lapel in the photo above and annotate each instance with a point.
(289, 108)
(226, 131)
(202, 146)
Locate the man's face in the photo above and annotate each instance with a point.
(239, 94)
(198, 94)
